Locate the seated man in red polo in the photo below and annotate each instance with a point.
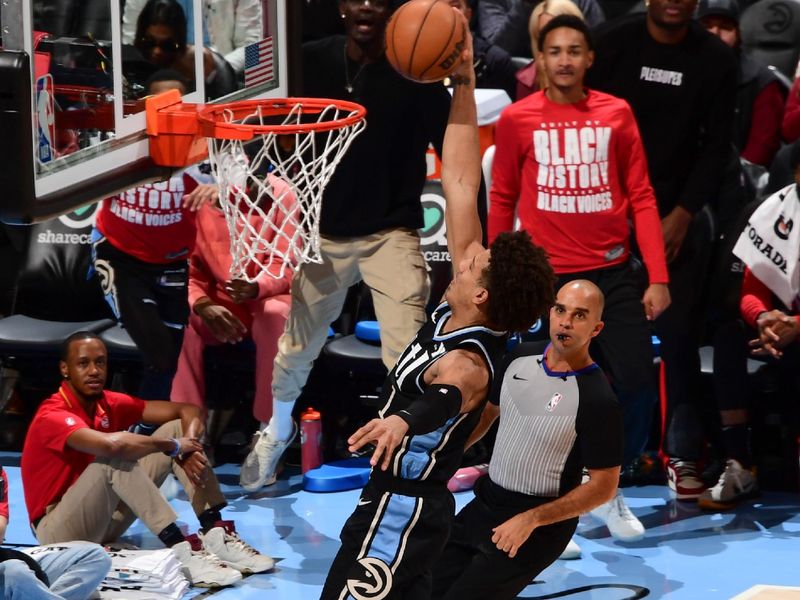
(86, 478)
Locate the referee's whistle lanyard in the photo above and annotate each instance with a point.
(100, 410)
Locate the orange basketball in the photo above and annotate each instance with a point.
(424, 40)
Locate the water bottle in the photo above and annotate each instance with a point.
(310, 439)
(465, 478)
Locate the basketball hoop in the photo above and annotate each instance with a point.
(272, 159)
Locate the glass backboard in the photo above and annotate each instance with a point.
(88, 65)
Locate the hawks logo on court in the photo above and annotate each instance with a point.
(372, 581)
(551, 406)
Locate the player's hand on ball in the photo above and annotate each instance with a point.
(386, 434)
(465, 66)
(509, 536)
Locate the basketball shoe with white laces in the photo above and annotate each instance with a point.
(201, 567)
(683, 479)
(619, 519)
(734, 485)
(261, 465)
(233, 551)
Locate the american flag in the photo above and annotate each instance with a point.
(258, 63)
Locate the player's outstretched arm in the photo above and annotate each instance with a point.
(461, 162)
(460, 383)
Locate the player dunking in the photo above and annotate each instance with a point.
(434, 395)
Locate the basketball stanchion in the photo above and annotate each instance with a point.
(272, 159)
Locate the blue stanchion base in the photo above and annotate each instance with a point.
(338, 476)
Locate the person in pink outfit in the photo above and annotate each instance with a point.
(226, 310)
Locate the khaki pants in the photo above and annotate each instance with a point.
(390, 263)
(111, 493)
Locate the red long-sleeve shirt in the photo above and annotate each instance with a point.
(209, 266)
(791, 114)
(764, 137)
(756, 299)
(575, 174)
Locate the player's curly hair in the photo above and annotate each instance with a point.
(520, 281)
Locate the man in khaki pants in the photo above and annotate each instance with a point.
(86, 478)
(371, 212)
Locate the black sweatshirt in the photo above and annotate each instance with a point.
(683, 97)
(378, 183)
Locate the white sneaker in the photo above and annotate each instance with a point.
(224, 542)
(260, 466)
(734, 485)
(202, 568)
(571, 552)
(619, 519)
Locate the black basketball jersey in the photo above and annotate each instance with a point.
(435, 456)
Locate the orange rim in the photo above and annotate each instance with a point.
(212, 117)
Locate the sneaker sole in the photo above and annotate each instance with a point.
(213, 584)
(634, 538)
(710, 504)
(688, 496)
(245, 570)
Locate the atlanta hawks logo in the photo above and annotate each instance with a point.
(783, 228)
(551, 406)
(106, 274)
(373, 581)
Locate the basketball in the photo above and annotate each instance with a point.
(424, 40)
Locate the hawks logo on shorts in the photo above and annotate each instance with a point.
(370, 579)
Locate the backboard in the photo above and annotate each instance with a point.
(74, 74)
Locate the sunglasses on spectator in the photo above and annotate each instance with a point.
(168, 45)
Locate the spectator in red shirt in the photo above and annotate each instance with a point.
(759, 95)
(770, 298)
(530, 79)
(86, 478)
(570, 162)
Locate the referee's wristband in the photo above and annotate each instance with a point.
(176, 450)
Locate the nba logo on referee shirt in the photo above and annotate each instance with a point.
(556, 398)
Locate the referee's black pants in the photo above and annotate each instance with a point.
(472, 567)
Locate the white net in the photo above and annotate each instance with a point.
(270, 186)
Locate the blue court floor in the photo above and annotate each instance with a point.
(686, 555)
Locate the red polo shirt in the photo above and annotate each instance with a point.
(50, 467)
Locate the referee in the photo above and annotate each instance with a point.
(559, 416)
